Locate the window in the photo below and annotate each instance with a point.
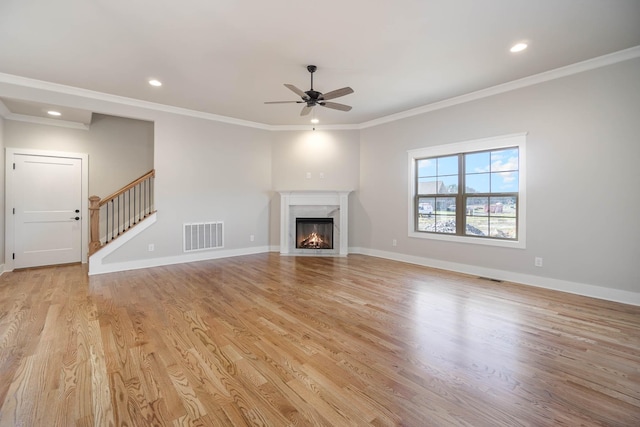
(471, 191)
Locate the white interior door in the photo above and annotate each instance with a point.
(48, 217)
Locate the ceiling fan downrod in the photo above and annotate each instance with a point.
(312, 69)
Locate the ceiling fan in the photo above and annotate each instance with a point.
(313, 97)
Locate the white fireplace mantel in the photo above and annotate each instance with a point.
(289, 199)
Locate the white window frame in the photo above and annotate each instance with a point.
(513, 140)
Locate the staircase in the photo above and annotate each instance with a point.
(113, 216)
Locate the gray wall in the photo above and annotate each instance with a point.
(582, 173)
(2, 161)
(334, 154)
(120, 149)
(206, 171)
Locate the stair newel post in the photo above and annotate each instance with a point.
(94, 219)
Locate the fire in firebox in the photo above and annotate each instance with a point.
(314, 233)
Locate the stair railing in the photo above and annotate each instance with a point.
(113, 215)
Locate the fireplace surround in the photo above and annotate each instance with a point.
(317, 205)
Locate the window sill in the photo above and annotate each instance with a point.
(514, 244)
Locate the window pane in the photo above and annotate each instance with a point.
(442, 220)
(504, 182)
(477, 183)
(502, 227)
(502, 217)
(502, 206)
(425, 206)
(448, 165)
(504, 160)
(446, 205)
(477, 162)
(477, 220)
(426, 167)
(429, 186)
(449, 184)
(426, 218)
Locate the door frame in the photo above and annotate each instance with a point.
(9, 224)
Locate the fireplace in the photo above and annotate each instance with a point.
(314, 233)
(327, 209)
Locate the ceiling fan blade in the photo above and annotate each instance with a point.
(337, 93)
(297, 91)
(336, 106)
(305, 110)
(284, 102)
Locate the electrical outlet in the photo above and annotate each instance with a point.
(321, 175)
(394, 242)
(252, 238)
(151, 247)
(308, 175)
(537, 262)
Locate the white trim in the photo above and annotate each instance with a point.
(178, 259)
(46, 121)
(516, 139)
(9, 244)
(96, 261)
(314, 198)
(590, 64)
(583, 289)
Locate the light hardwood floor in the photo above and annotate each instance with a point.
(277, 341)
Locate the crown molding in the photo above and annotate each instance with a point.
(579, 67)
(46, 121)
(557, 73)
(122, 100)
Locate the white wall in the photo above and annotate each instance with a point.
(583, 178)
(332, 158)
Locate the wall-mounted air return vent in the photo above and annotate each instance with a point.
(203, 235)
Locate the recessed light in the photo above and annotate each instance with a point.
(54, 113)
(518, 47)
(154, 82)
(314, 121)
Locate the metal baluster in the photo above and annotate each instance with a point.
(106, 225)
(134, 205)
(113, 217)
(118, 215)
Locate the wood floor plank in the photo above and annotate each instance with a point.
(305, 341)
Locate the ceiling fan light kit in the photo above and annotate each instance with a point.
(312, 97)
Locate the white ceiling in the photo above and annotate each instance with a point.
(227, 57)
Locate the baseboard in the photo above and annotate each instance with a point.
(608, 294)
(616, 295)
(178, 259)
